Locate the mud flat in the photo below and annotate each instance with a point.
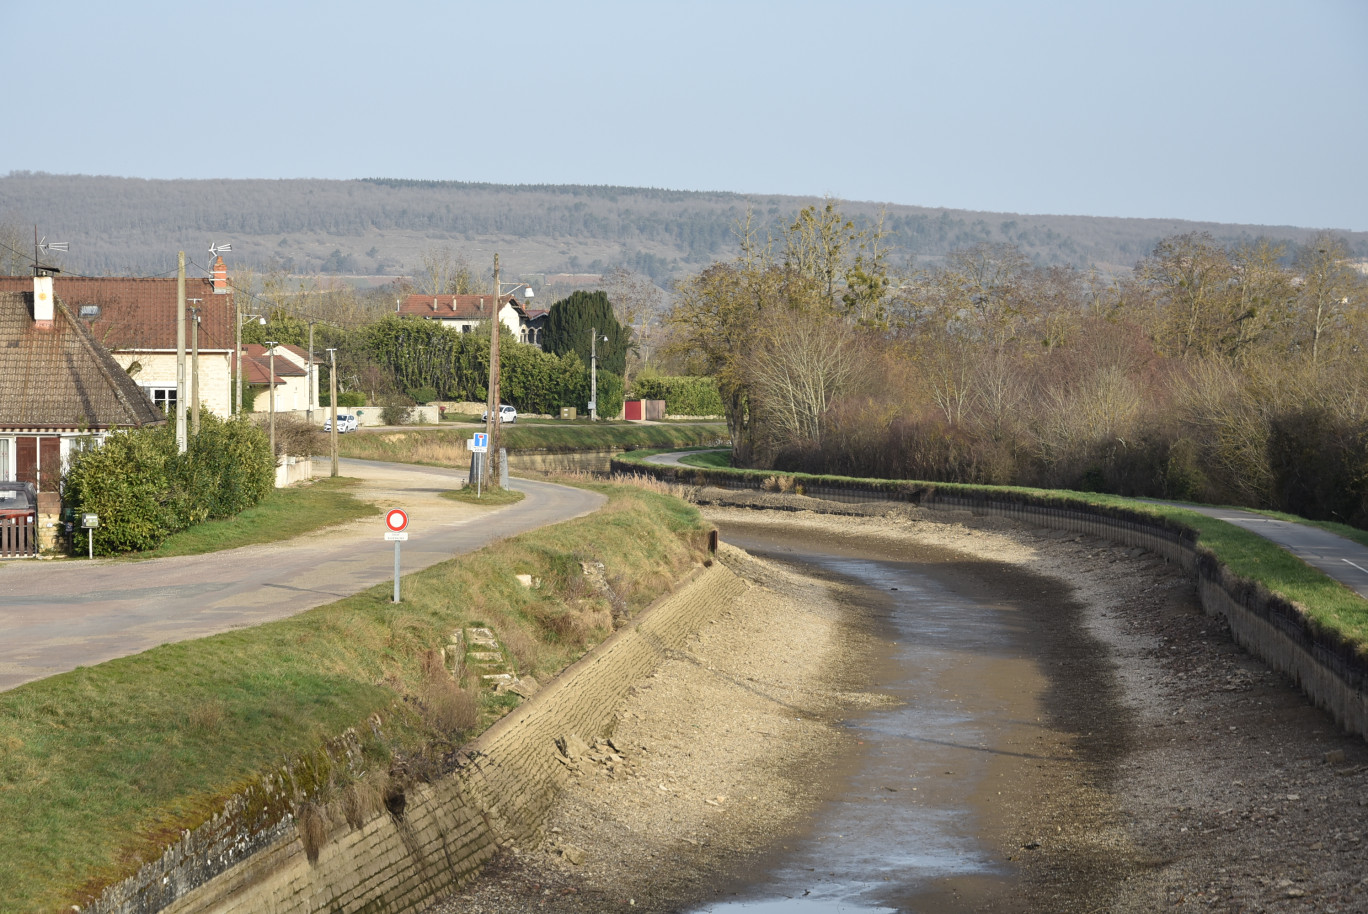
(1140, 761)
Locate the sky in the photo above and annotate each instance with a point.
(1243, 111)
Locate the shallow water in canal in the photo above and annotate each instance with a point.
(903, 829)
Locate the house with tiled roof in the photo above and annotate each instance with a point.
(296, 388)
(463, 313)
(135, 319)
(59, 390)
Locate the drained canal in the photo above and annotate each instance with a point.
(994, 687)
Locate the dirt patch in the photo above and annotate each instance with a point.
(1172, 768)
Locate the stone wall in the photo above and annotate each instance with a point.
(1332, 674)
(431, 837)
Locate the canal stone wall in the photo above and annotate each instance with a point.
(1334, 675)
(430, 837)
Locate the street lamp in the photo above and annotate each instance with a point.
(492, 408)
(593, 372)
(272, 344)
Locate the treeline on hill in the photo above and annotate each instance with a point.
(1211, 372)
(120, 226)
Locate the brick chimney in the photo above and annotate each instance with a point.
(220, 274)
(43, 306)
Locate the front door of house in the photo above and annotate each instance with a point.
(38, 459)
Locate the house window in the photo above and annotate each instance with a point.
(6, 460)
(165, 397)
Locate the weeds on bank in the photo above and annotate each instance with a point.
(100, 767)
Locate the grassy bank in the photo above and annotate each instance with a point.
(281, 515)
(101, 766)
(446, 446)
(1327, 603)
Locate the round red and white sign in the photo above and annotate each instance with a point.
(396, 520)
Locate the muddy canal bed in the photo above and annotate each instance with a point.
(906, 714)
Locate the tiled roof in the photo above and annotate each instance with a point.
(139, 313)
(58, 377)
(453, 307)
(257, 365)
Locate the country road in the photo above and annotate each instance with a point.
(55, 616)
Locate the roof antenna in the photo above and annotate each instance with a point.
(45, 246)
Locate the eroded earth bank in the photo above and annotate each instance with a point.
(1109, 748)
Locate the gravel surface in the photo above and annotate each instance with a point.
(1170, 769)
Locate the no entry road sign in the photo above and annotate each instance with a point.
(396, 520)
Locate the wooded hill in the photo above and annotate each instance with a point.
(381, 227)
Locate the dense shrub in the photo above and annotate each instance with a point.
(422, 395)
(144, 490)
(683, 395)
(346, 399)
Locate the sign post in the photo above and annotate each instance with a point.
(479, 445)
(90, 522)
(395, 522)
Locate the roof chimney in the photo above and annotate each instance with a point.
(434, 303)
(220, 277)
(42, 301)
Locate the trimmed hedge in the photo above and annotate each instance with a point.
(144, 490)
(683, 395)
(345, 399)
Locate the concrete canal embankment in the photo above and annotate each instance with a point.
(1330, 672)
(430, 837)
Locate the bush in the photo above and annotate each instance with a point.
(345, 399)
(422, 394)
(144, 490)
(683, 395)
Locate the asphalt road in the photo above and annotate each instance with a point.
(55, 616)
(1342, 559)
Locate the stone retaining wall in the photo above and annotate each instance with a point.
(432, 837)
(1267, 625)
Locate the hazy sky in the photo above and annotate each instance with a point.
(1237, 111)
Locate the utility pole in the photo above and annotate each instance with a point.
(237, 351)
(332, 402)
(311, 383)
(194, 366)
(492, 421)
(593, 374)
(181, 437)
(274, 461)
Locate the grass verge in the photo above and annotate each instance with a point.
(101, 766)
(488, 498)
(719, 459)
(281, 515)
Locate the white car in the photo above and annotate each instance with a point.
(507, 414)
(346, 422)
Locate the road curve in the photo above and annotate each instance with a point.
(55, 616)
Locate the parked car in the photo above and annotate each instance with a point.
(507, 414)
(346, 422)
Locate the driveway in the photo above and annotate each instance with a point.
(55, 616)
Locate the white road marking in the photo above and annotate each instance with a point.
(1359, 567)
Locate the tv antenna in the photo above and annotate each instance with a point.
(217, 249)
(45, 246)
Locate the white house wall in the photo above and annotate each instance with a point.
(159, 370)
